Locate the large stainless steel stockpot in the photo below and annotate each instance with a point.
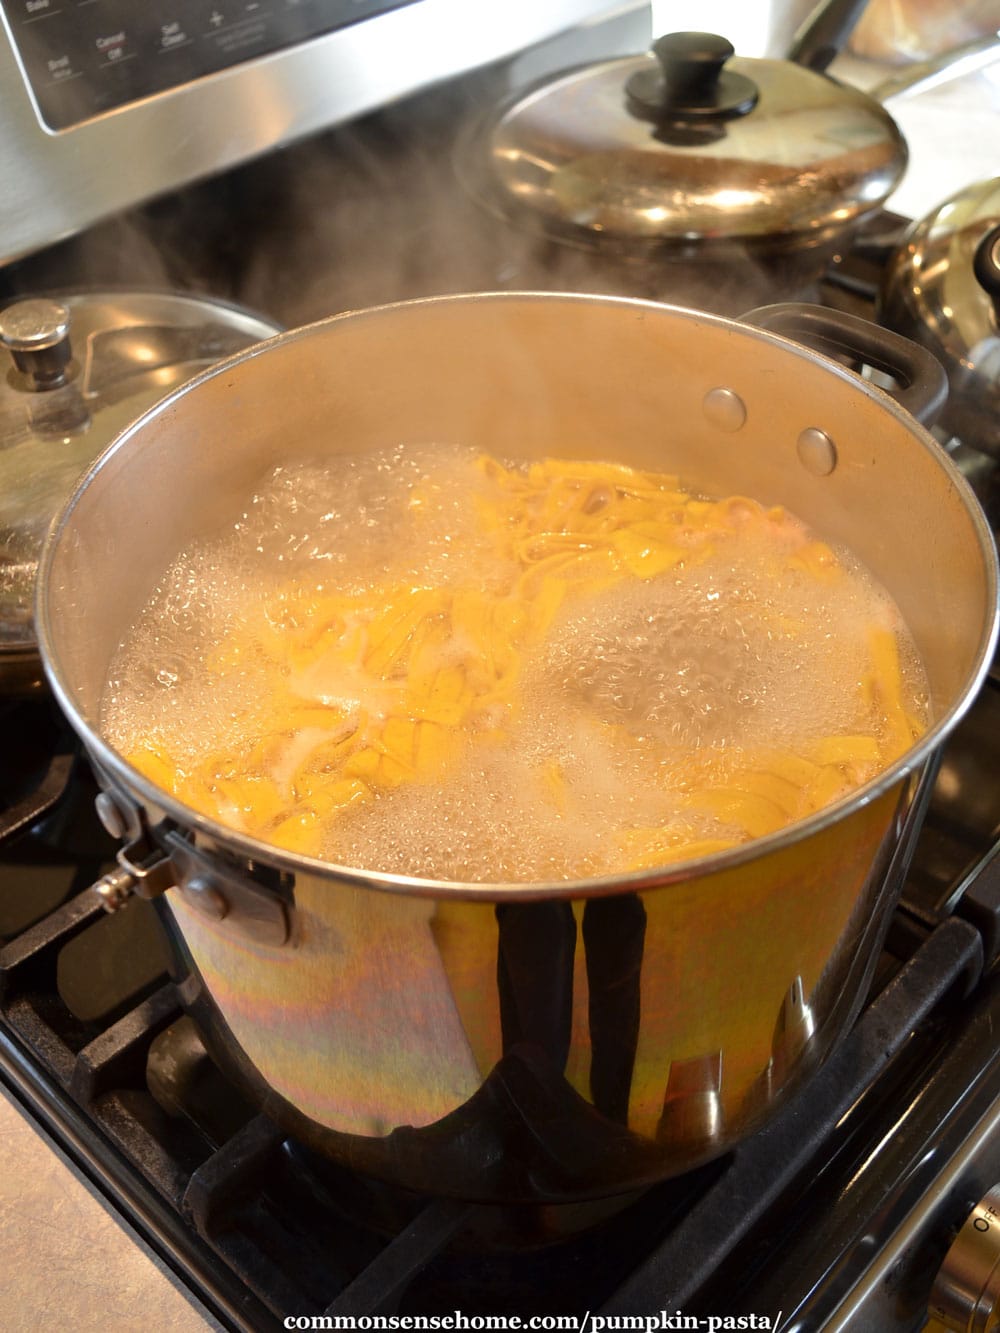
(544, 1041)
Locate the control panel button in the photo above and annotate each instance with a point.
(82, 58)
(966, 1292)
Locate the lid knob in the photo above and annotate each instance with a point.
(986, 266)
(690, 83)
(36, 333)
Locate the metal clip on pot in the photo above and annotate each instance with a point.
(923, 384)
(155, 860)
(249, 909)
(142, 869)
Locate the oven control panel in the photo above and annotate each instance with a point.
(105, 104)
(81, 58)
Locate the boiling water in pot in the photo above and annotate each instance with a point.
(437, 664)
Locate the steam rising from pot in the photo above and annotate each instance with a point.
(370, 213)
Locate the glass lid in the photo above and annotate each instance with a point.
(79, 368)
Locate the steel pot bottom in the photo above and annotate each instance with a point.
(553, 1041)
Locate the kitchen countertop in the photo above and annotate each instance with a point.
(67, 1261)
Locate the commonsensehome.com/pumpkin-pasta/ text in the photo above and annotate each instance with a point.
(661, 1322)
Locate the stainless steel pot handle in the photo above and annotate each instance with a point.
(824, 33)
(923, 384)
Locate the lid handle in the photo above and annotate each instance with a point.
(824, 33)
(690, 83)
(986, 266)
(692, 65)
(36, 333)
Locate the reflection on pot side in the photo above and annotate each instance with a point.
(391, 1012)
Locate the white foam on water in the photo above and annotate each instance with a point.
(711, 659)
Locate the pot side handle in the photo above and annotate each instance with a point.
(923, 383)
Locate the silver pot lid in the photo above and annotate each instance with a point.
(687, 146)
(74, 371)
(942, 288)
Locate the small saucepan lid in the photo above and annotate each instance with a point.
(690, 149)
(79, 368)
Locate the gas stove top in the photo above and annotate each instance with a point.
(837, 1215)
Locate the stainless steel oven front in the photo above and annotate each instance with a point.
(106, 103)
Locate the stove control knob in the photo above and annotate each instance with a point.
(966, 1292)
(36, 333)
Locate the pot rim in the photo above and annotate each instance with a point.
(256, 850)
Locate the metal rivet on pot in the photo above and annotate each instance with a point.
(724, 409)
(201, 894)
(817, 452)
(112, 816)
